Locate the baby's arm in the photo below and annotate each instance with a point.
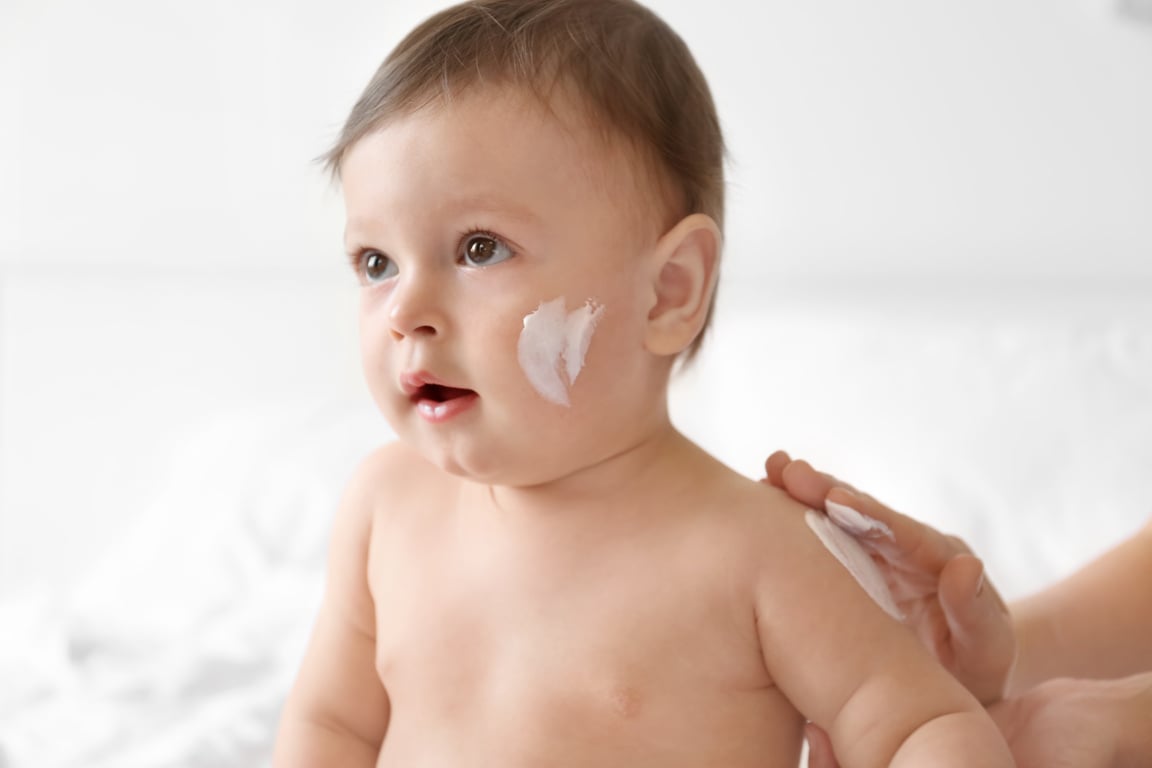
(337, 712)
(859, 674)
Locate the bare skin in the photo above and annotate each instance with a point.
(937, 581)
(554, 638)
(1069, 702)
(1080, 723)
(1094, 623)
(675, 627)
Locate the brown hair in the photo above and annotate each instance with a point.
(635, 76)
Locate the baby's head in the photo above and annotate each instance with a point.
(627, 72)
(540, 169)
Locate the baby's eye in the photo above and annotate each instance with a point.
(482, 250)
(376, 267)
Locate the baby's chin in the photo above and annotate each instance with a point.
(533, 459)
(532, 470)
(510, 474)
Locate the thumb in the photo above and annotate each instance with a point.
(819, 748)
(964, 595)
(982, 638)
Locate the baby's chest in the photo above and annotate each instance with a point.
(618, 640)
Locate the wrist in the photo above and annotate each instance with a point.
(1037, 645)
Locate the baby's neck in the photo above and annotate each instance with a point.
(663, 464)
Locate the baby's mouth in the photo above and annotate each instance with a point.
(438, 393)
(439, 403)
(433, 399)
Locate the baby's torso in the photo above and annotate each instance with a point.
(512, 643)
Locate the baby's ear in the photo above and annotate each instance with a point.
(686, 268)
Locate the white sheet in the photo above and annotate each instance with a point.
(180, 647)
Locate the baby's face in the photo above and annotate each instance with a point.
(493, 240)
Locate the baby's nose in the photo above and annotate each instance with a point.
(415, 309)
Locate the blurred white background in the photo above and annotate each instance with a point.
(168, 252)
(938, 283)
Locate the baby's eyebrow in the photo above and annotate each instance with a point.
(494, 204)
(351, 239)
(356, 230)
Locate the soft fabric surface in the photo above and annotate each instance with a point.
(180, 646)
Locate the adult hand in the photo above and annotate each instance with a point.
(1061, 723)
(1068, 723)
(936, 581)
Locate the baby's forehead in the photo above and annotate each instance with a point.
(549, 105)
(617, 165)
(622, 164)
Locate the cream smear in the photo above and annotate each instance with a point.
(857, 523)
(553, 344)
(853, 556)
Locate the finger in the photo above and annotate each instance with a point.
(961, 587)
(897, 537)
(983, 639)
(805, 484)
(958, 544)
(774, 468)
(969, 597)
(820, 753)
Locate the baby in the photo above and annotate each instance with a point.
(543, 571)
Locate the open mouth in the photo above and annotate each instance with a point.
(435, 401)
(438, 393)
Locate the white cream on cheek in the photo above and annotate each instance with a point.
(553, 344)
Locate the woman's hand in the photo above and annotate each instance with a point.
(940, 586)
(935, 579)
(1061, 724)
(1068, 723)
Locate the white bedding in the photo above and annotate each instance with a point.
(179, 647)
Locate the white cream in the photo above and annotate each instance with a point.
(855, 559)
(856, 523)
(553, 344)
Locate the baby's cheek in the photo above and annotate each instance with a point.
(378, 374)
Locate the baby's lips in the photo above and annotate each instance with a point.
(413, 383)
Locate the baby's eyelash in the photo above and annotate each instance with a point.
(355, 256)
(355, 260)
(501, 252)
(482, 231)
(471, 232)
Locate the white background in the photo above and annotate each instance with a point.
(938, 273)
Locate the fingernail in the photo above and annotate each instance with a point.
(980, 582)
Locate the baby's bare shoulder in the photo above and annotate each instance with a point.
(757, 509)
(392, 476)
(785, 556)
(393, 462)
(763, 529)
